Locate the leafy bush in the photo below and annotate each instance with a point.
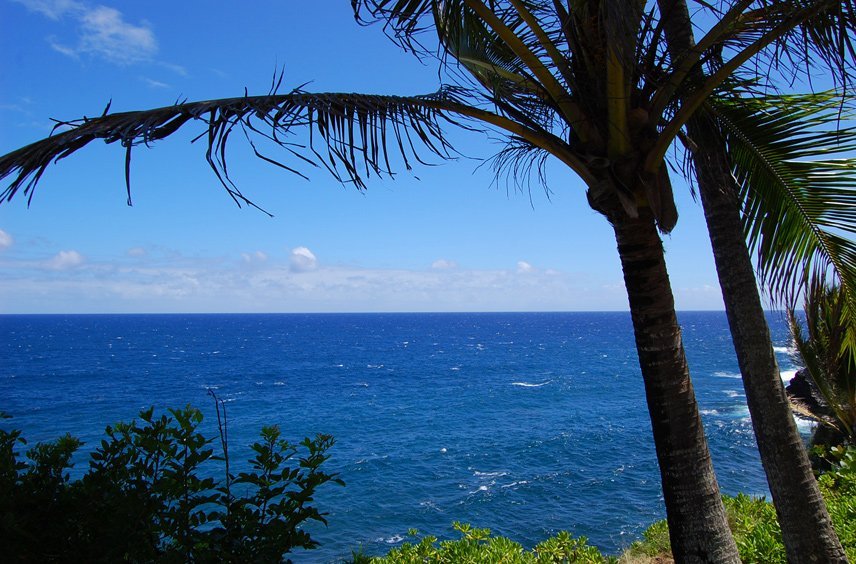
(839, 490)
(756, 529)
(655, 542)
(477, 546)
(145, 496)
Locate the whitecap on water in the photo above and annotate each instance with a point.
(489, 474)
(530, 385)
(515, 484)
(783, 350)
(709, 412)
(787, 375)
(722, 374)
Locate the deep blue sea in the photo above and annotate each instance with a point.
(524, 423)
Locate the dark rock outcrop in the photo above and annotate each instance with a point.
(803, 390)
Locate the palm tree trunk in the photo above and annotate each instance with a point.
(697, 524)
(806, 528)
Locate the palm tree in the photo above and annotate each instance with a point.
(830, 365)
(760, 146)
(587, 82)
(806, 528)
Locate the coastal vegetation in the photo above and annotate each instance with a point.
(606, 88)
(752, 521)
(148, 495)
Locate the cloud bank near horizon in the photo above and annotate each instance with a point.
(160, 280)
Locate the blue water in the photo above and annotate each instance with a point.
(525, 423)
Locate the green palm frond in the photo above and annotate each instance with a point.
(351, 135)
(799, 199)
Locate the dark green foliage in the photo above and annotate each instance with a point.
(146, 496)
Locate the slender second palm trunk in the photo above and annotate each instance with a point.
(697, 524)
(806, 528)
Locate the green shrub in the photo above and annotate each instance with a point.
(756, 529)
(838, 485)
(145, 496)
(655, 542)
(753, 520)
(476, 546)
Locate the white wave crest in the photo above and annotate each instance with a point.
(722, 374)
(787, 375)
(515, 484)
(489, 474)
(530, 385)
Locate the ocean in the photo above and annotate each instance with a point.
(523, 423)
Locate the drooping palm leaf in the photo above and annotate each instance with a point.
(351, 135)
(799, 199)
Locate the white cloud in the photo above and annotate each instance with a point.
(106, 33)
(162, 281)
(177, 69)
(443, 264)
(5, 240)
(523, 266)
(137, 252)
(302, 260)
(102, 31)
(54, 9)
(64, 260)
(63, 49)
(255, 257)
(154, 83)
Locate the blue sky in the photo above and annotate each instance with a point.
(442, 238)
